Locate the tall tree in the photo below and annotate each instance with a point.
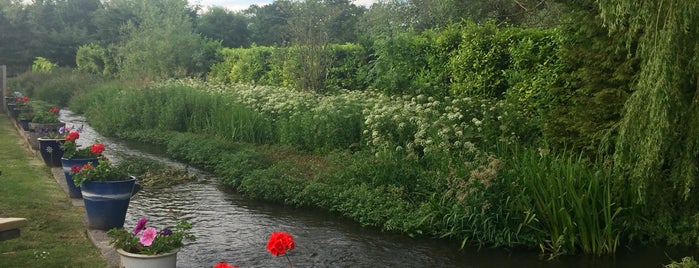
(163, 44)
(60, 27)
(16, 34)
(229, 27)
(111, 18)
(269, 23)
(657, 152)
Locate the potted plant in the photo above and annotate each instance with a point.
(50, 143)
(147, 247)
(75, 155)
(106, 190)
(15, 107)
(45, 117)
(47, 131)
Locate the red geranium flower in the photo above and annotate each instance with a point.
(54, 110)
(75, 168)
(86, 167)
(224, 265)
(97, 148)
(74, 135)
(279, 243)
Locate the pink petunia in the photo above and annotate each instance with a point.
(148, 236)
(140, 226)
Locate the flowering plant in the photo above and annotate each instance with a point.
(225, 265)
(279, 243)
(24, 100)
(103, 171)
(148, 241)
(47, 116)
(71, 149)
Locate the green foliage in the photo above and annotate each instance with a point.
(41, 112)
(655, 155)
(278, 183)
(283, 67)
(43, 65)
(236, 165)
(687, 262)
(572, 203)
(598, 76)
(334, 123)
(199, 150)
(242, 65)
(229, 27)
(478, 66)
(397, 63)
(104, 170)
(56, 87)
(163, 43)
(345, 70)
(94, 59)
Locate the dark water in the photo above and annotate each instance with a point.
(233, 229)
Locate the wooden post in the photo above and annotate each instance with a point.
(3, 76)
(3, 87)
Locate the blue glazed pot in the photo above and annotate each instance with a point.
(74, 191)
(51, 151)
(106, 202)
(24, 123)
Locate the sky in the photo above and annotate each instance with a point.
(236, 5)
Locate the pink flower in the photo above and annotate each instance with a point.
(148, 236)
(140, 225)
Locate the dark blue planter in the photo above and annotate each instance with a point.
(13, 110)
(106, 202)
(74, 191)
(24, 123)
(51, 151)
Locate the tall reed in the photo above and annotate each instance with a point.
(571, 198)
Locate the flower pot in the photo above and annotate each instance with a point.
(13, 110)
(45, 128)
(132, 260)
(74, 191)
(33, 139)
(24, 123)
(106, 202)
(51, 151)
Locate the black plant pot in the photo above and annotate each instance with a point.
(51, 151)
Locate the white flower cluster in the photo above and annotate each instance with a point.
(423, 125)
(418, 124)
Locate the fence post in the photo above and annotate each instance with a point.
(3, 87)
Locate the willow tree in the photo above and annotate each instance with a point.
(657, 149)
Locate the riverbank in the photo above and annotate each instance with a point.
(56, 235)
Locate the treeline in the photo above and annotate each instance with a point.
(175, 32)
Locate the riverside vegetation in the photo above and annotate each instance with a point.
(479, 131)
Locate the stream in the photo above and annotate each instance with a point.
(234, 229)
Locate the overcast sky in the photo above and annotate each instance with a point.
(244, 4)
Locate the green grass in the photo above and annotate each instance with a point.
(55, 236)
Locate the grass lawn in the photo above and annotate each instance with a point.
(56, 235)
